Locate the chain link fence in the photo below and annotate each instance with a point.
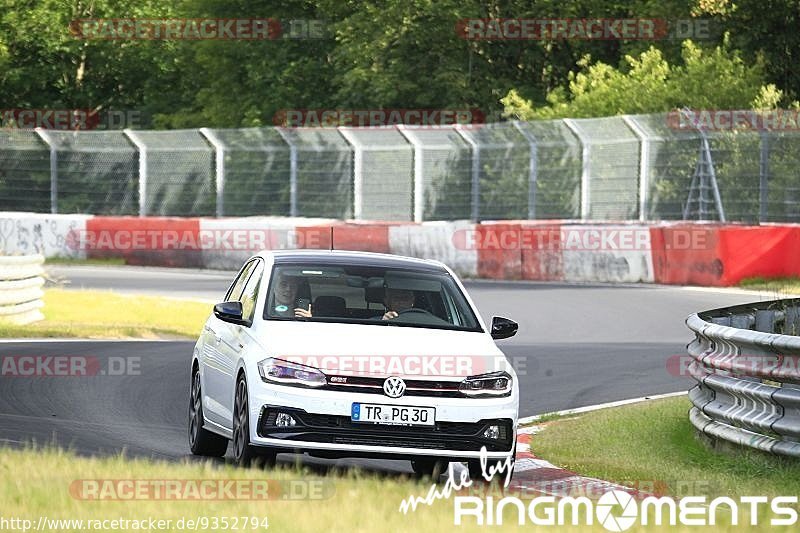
(382, 173)
(321, 173)
(24, 172)
(632, 167)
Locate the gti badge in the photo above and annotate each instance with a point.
(394, 387)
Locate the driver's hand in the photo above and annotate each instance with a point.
(305, 313)
(388, 315)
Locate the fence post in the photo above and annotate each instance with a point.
(419, 171)
(358, 172)
(763, 177)
(475, 211)
(532, 169)
(142, 148)
(585, 177)
(45, 136)
(219, 166)
(644, 164)
(292, 171)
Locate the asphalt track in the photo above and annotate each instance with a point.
(578, 345)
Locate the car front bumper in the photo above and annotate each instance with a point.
(323, 424)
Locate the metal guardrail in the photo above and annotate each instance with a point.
(21, 280)
(746, 360)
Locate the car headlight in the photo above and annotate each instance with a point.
(492, 384)
(287, 373)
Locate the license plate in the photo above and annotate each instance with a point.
(397, 415)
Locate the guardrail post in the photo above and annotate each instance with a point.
(532, 168)
(475, 201)
(763, 177)
(219, 166)
(142, 148)
(585, 168)
(292, 172)
(45, 136)
(644, 165)
(419, 173)
(358, 172)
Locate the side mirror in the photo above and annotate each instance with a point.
(503, 328)
(230, 312)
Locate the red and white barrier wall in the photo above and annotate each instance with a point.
(669, 253)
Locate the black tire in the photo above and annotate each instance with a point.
(202, 441)
(244, 453)
(429, 467)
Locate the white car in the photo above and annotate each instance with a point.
(342, 354)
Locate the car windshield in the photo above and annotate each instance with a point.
(368, 295)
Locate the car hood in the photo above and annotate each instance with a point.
(356, 349)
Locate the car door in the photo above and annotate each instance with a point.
(216, 381)
(235, 337)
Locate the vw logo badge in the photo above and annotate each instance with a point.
(394, 387)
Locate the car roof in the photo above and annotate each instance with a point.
(345, 257)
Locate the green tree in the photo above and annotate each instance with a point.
(47, 66)
(649, 84)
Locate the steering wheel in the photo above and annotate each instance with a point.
(414, 310)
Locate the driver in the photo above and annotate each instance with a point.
(397, 301)
(286, 289)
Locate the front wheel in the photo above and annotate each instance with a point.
(245, 453)
(202, 441)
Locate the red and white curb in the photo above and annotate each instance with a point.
(533, 475)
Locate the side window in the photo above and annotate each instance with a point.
(250, 292)
(236, 289)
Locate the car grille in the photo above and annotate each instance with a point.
(414, 387)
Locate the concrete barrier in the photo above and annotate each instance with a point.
(436, 240)
(36, 233)
(669, 253)
(607, 253)
(231, 241)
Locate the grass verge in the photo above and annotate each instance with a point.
(779, 286)
(38, 483)
(653, 442)
(106, 315)
(95, 261)
(51, 484)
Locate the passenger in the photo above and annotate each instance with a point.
(397, 301)
(285, 298)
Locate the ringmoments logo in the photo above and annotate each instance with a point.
(615, 510)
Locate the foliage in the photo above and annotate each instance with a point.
(648, 83)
